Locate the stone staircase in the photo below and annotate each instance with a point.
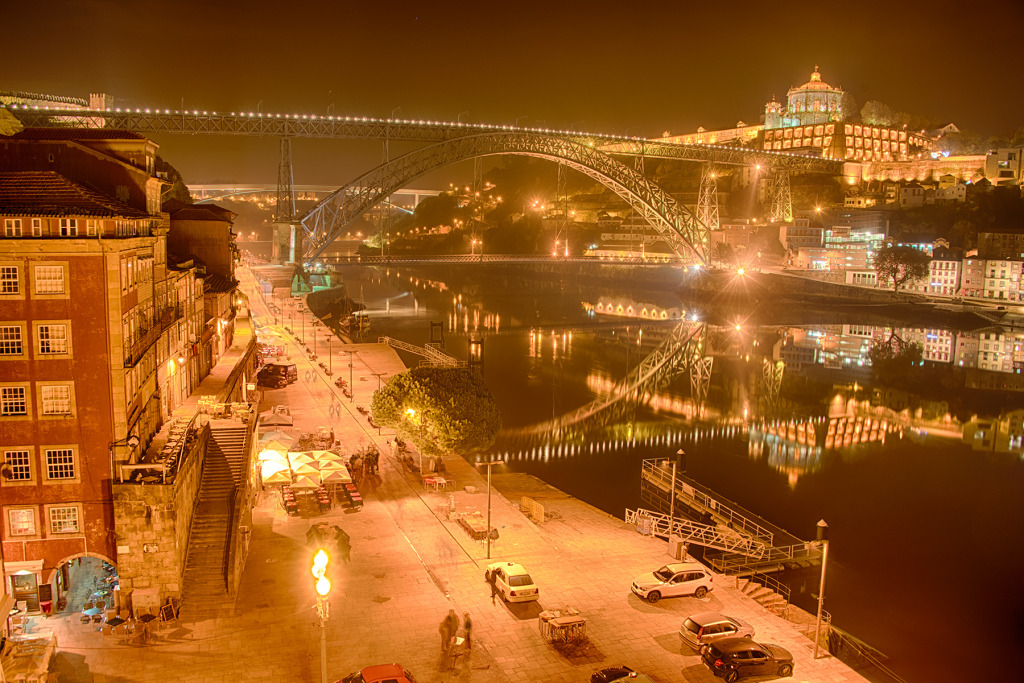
(204, 588)
(766, 597)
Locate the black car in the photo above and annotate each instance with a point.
(731, 658)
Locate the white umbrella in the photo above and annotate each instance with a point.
(295, 457)
(277, 435)
(305, 482)
(274, 445)
(272, 454)
(335, 477)
(305, 468)
(278, 478)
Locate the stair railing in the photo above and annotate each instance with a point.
(201, 448)
(774, 585)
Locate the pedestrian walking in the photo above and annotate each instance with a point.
(447, 630)
(491, 579)
(467, 624)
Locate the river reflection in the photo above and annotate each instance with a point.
(919, 481)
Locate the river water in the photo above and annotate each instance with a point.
(926, 534)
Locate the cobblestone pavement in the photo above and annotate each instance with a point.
(410, 565)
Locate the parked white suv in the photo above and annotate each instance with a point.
(683, 578)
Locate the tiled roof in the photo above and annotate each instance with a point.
(218, 283)
(46, 193)
(198, 213)
(76, 134)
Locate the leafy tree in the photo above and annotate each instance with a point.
(723, 253)
(441, 410)
(901, 265)
(875, 113)
(851, 110)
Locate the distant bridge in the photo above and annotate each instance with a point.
(451, 142)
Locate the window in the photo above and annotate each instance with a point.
(13, 401)
(64, 520)
(22, 522)
(12, 227)
(37, 227)
(56, 399)
(68, 227)
(53, 339)
(90, 228)
(19, 465)
(49, 279)
(60, 463)
(10, 340)
(10, 283)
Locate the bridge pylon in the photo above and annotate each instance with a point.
(707, 202)
(781, 198)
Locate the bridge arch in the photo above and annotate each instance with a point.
(685, 234)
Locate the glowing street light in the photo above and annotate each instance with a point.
(323, 589)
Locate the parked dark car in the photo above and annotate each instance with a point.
(277, 375)
(731, 658)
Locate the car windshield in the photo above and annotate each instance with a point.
(664, 574)
(520, 580)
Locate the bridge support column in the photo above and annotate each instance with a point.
(285, 243)
(707, 202)
(781, 197)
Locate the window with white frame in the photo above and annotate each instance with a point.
(64, 519)
(10, 280)
(53, 339)
(19, 465)
(21, 521)
(49, 279)
(10, 340)
(68, 227)
(12, 227)
(56, 399)
(60, 463)
(90, 228)
(37, 227)
(13, 401)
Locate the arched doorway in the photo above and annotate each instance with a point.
(83, 585)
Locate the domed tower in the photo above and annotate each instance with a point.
(814, 102)
(773, 114)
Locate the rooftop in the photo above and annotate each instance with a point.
(47, 193)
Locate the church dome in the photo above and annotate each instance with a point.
(815, 83)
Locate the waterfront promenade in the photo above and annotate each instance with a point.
(410, 565)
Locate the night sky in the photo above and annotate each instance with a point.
(624, 67)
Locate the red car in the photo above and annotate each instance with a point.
(381, 673)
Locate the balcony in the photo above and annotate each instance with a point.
(135, 352)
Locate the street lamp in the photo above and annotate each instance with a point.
(130, 441)
(822, 538)
(323, 588)
(680, 454)
(489, 463)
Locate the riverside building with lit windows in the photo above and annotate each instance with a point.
(96, 343)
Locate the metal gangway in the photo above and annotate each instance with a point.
(715, 537)
(659, 473)
(434, 356)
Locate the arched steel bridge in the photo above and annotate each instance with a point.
(676, 223)
(588, 153)
(261, 124)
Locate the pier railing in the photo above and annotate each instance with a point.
(658, 524)
(801, 552)
(659, 473)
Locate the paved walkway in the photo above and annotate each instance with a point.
(410, 565)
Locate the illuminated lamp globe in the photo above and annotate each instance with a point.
(323, 586)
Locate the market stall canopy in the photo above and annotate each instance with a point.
(277, 435)
(297, 458)
(269, 468)
(282, 477)
(305, 482)
(275, 445)
(335, 477)
(304, 468)
(272, 454)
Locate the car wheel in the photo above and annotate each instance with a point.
(653, 596)
(731, 676)
(785, 670)
(701, 592)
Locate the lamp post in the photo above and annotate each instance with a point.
(672, 495)
(489, 464)
(822, 538)
(323, 588)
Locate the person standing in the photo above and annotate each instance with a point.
(467, 624)
(446, 636)
(453, 623)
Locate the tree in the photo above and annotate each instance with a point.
(441, 410)
(894, 361)
(875, 113)
(901, 265)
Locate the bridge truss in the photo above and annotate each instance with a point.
(683, 232)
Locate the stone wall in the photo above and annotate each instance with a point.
(153, 522)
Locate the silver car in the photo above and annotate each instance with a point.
(707, 627)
